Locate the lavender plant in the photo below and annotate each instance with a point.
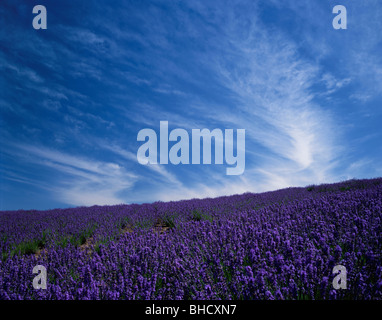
(275, 245)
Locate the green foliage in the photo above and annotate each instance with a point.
(27, 247)
(63, 242)
(246, 261)
(197, 215)
(4, 256)
(169, 221)
(227, 273)
(74, 274)
(143, 224)
(4, 238)
(77, 239)
(103, 242)
(159, 284)
(125, 222)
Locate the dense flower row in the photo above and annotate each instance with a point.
(275, 245)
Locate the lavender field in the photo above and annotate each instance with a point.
(275, 245)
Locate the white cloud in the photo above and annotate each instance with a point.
(277, 107)
(85, 182)
(157, 168)
(275, 103)
(273, 84)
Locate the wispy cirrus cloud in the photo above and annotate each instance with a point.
(157, 168)
(75, 96)
(80, 181)
(275, 102)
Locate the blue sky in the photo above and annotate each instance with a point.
(73, 97)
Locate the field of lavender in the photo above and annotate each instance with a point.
(275, 245)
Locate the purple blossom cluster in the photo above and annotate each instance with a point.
(275, 245)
